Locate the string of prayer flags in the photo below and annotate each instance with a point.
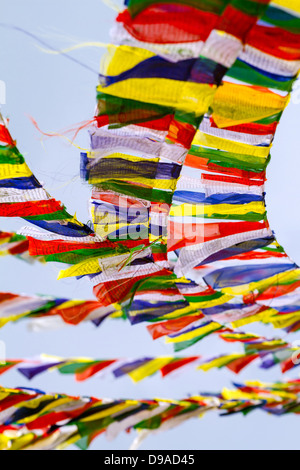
(33, 420)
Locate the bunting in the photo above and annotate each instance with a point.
(14, 307)
(186, 116)
(15, 245)
(269, 352)
(21, 194)
(85, 368)
(33, 420)
(189, 98)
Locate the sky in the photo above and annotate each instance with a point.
(58, 93)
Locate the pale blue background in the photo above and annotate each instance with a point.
(59, 93)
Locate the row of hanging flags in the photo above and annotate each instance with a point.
(45, 312)
(33, 420)
(48, 311)
(189, 98)
(268, 352)
(15, 245)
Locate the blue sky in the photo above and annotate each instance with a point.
(58, 93)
